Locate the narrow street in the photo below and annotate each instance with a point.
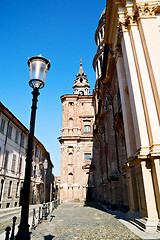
(79, 221)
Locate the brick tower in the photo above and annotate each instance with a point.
(76, 140)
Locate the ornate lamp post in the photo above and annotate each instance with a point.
(38, 69)
(44, 208)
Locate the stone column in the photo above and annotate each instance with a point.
(149, 196)
(156, 179)
(126, 108)
(138, 116)
(150, 112)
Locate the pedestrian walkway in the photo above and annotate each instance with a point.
(79, 221)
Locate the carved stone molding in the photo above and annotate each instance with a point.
(63, 148)
(119, 32)
(118, 52)
(130, 18)
(146, 9)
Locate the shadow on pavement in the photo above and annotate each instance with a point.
(116, 213)
(51, 218)
(48, 237)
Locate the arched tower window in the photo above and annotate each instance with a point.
(70, 178)
(70, 122)
(70, 174)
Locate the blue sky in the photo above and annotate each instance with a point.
(63, 32)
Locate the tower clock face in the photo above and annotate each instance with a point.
(81, 93)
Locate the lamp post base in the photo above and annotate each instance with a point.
(23, 232)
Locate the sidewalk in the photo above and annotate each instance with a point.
(76, 221)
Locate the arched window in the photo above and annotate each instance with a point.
(87, 128)
(70, 178)
(70, 174)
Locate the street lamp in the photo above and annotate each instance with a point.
(38, 69)
(44, 208)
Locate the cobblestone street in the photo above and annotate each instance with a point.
(76, 221)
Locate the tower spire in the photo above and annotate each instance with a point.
(81, 85)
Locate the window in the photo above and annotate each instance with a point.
(71, 103)
(13, 163)
(118, 99)
(35, 171)
(16, 136)
(87, 128)
(70, 174)
(17, 189)
(10, 189)
(70, 178)
(22, 185)
(9, 131)
(2, 187)
(20, 164)
(6, 159)
(2, 125)
(22, 141)
(101, 33)
(7, 205)
(87, 156)
(70, 122)
(36, 151)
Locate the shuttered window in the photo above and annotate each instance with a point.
(6, 159)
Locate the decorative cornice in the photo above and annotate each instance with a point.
(146, 9)
(126, 20)
(131, 16)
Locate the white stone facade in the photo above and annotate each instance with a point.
(13, 146)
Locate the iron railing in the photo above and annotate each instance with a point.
(36, 218)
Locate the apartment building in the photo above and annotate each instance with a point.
(13, 147)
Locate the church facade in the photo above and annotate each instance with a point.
(76, 140)
(127, 67)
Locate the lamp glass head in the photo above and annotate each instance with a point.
(38, 69)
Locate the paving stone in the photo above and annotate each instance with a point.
(83, 222)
